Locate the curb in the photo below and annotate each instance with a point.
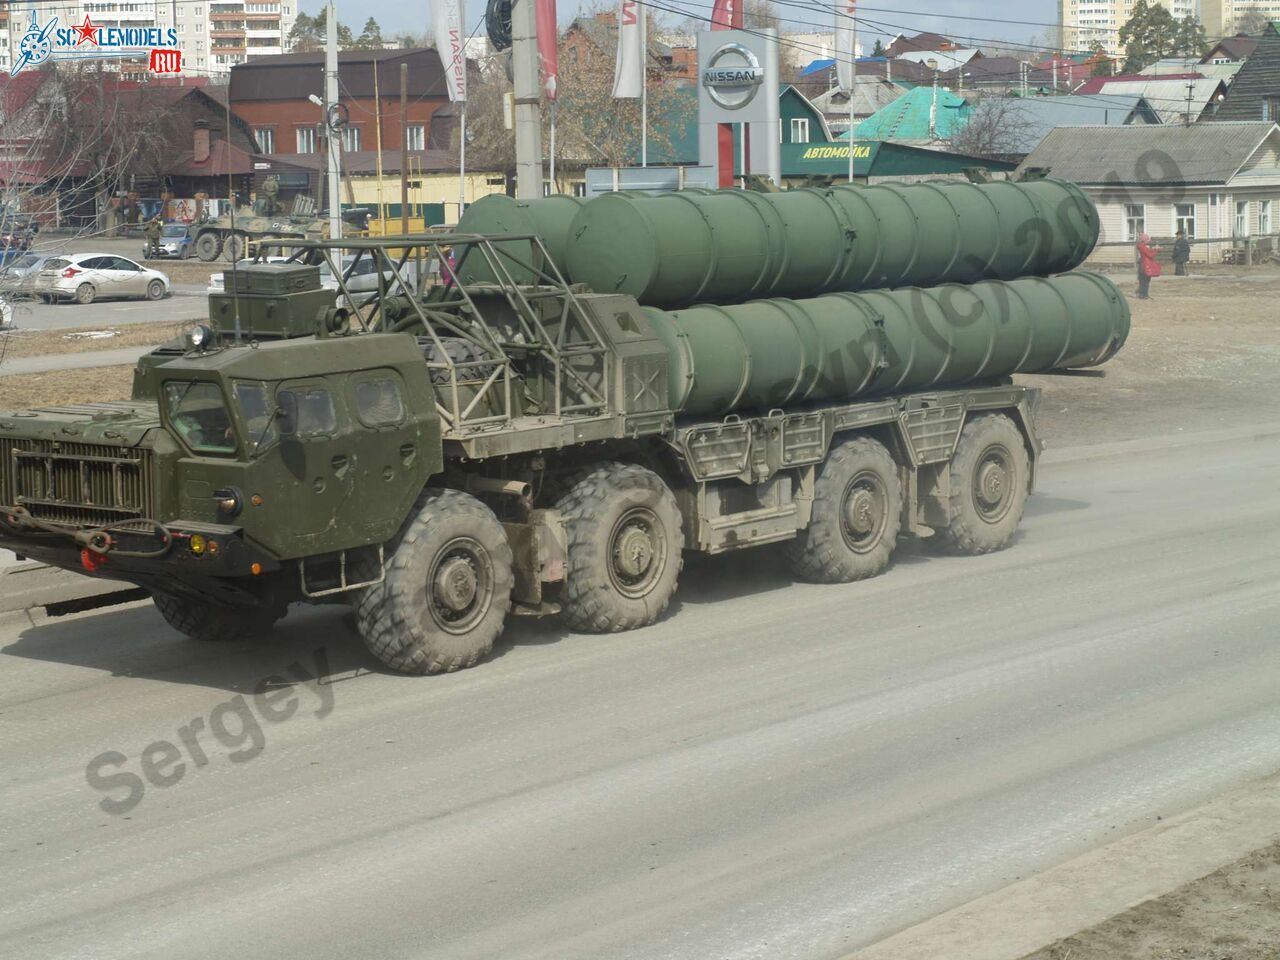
(1026, 916)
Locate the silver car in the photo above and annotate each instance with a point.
(18, 277)
(86, 277)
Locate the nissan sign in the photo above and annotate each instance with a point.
(732, 76)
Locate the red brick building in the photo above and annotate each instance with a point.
(271, 95)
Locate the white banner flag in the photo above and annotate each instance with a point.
(450, 43)
(628, 75)
(845, 42)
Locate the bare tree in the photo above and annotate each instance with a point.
(1252, 22)
(997, 127)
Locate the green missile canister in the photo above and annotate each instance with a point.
(844, 346)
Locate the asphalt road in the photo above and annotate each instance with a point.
(185, 303)
(777, 770)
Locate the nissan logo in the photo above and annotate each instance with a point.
(732, 76)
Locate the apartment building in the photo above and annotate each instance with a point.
(1221, 17)
(1085, 22)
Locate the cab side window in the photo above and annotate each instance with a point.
(306, 411)
(379, 402)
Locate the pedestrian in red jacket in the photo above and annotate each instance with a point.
(1145, 254)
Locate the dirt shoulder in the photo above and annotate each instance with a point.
(1232, 914)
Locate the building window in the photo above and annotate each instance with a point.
(1242, 218)
(1264, 217)
(1184, 218)
(1271, 109)
(1135, 220)
(799, 130)
(580, 189)
(266, 138)
(306, 139)
(415, 137)
(351, 139)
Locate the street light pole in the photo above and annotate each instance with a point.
(330, 114)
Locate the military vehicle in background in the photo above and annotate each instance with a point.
(512, 441)
(231, 235)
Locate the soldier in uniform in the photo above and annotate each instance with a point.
(153, 230)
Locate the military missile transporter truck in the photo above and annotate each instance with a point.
(590, 389)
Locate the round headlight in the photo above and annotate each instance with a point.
(200, 337)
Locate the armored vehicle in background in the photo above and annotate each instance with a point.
(230, 235)
(495, 446)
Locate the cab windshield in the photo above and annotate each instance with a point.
(258, 411)
(198, 413)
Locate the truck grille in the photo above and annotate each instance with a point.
(78, 484)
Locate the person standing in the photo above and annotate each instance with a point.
(1145, 254)
(1181, 254)
(153, 230)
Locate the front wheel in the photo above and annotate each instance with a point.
(211, 622)
(155, 290)
(447, 588)
(624, 539)
(989, 483)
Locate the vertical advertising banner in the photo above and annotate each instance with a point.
(447, 25)
(628, 76)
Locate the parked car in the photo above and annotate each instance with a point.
(360, 278)
(86, 277)
(176, 243)
(18, 277)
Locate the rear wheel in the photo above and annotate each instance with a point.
(990, 477)
(447, 588)
(211, 622)
(624, 538)
(209, 245)
(857, 510)
(85, 293)
(155, 290)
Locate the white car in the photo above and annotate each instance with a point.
(362, 279)
(86, 277)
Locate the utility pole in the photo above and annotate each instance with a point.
(1190, 89)
(330, 115)
(524, 67)
(404, 148)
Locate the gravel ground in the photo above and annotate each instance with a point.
(1232, 914)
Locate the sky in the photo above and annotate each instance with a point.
(1028, 19)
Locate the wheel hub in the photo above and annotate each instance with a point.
(634, 552)
(456, 584)
(860, 512)
(992, 483)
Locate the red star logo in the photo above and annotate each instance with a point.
(86, 31)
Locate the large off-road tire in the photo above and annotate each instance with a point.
(624, 538)
(234, 247)
(209, 245)
(86, 293)
(155, 290)
(989, 483)
(857, 511)
(447, 589)
(213, 622)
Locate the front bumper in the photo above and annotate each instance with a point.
(143, 552)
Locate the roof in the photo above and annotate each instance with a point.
(1169, 97)
(907, 118)
(921, 41)
(946, 59)
(1036, 116)
(1095, 84)
(886, 67)
(224, 158)
(295, 76)
(1200, 153)
(1170, 65)
(869, 95)
(1238, 47)
(1257, 81)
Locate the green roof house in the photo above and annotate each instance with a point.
(922, 115)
